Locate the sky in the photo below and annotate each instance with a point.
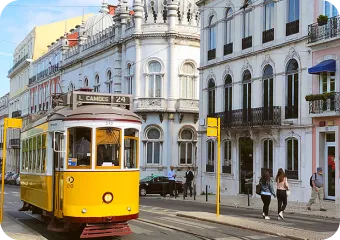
(19, 18)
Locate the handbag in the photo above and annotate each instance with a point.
(258, 189)
(288, 193)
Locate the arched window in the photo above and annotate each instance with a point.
(211, 96)
(292, 158)
(227, 159)
(292, 90)
(186, 147)
(188, 81)
(246, 82)
(212, 33)
(268, 155)
(96, 84)
(210, 167)
(268, 92)
(228, 94)
(109, 81)
(155, 79)
(86, 82)
(228, 26)
(129, 78)
(153, 146)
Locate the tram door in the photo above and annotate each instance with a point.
(57, 173)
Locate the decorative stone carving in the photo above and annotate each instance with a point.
(267, 61)
(151, 103)
(292, 54)
(246, 66)
(189, 104)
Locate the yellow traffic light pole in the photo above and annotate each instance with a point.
(8, 123)
(214, 130)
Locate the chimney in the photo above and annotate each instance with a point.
(112, 9)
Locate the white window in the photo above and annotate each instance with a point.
(330, 10)
(327, 82)
(153, 146)
(186, 147)
(268, 154)
(96, 84)
(129, 78)
(292, 157)
(155, 79)
(247, 31)
(228, 25)
(226, 167)
(212, 33)
(293, 10)
(188, 81)
(268, 15)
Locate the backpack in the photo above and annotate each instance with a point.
(310, 180)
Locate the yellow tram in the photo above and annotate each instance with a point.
(79, 164)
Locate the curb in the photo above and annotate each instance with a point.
(24, 226)
(245, 207)
(241, 227)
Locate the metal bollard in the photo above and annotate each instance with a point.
(206, 193)
(175, 190)
(164, 190)
(248, 198)
(184, 190)
(194, 191)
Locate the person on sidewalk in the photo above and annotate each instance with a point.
(317, 189)
(266, 191)
(281, 192)
(172, 177)
(189, 177)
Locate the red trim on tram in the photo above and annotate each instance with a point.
(108, 219)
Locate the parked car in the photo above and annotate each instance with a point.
(156, 184)
(13, 179)
(17, 182)
(7, 177)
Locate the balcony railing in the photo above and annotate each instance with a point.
(292, 174)
(291, 112)
(211, 54)
(32, 79)
(247, 42)
(18, 63)
(268, 35)
(332, 104)
(254, 117)
(14, 143)
(48, 71)
(329, 30)
(16, 114)
(292, 27)
(228, 49)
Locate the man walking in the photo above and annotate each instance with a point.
(317, 189)
(171, 176)
(189, 177)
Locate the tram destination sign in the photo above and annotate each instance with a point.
(103, 99)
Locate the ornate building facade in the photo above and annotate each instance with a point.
(256, 80)
(150, 50)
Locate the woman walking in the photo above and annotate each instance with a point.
(266, 191)
(282, 187)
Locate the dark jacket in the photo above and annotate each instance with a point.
(267, 188)
(189, 176)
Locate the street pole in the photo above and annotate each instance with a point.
(218, 166)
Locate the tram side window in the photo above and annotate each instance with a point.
(30, 152)
(34, 159)
(38, 151)
(79, 144)
(24, 155)
(131, 148)
(43, 153)
(108, 146)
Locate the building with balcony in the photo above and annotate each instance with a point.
(253, 75)
(324, 100)
(30, 49)
(3, 114)
(150, 50)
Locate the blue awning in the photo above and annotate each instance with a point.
(325, 66)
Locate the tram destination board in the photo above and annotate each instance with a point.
(103, 99)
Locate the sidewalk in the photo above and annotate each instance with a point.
(18, 231)
(259, 226)
(333, 211)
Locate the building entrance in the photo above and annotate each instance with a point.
(246, 165)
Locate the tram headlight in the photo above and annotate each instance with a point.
(129, 209)
(107, 197)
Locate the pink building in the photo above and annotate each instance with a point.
(324, 102)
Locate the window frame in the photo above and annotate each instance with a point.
(213, 154)
(186, 142)
(293, 74)
(129, 79)
(293, 138)
(212, 33)
(247, 24)
(148, 140)
(228, 87)
(229, 16)
(230, 150)
(137, 151)
(295, 4)
(268, 22)
(189, 79)
(330, 78)
(270, 159)
(96, 83)
(211, 99)
(152, 76)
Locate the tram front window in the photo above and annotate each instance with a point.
(131, 148)
(79, 146)
(108, 147)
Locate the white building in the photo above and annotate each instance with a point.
(3, 115)
(253, 74)
(150, 50)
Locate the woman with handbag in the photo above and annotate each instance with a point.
(266, 191)
(282, 192)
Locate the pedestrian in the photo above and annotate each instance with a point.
(189, 177)
(317, 189)
(172, 177)
(281, 192)
(266, 191)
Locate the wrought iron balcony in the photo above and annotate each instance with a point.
(292, 27)
(268, 35)
(16, 114)
(253, 117)
(329, 30)
(44, 73)
(329, 104)
(228, 49)
(291, 112)
(14, 143)
(211, 54)
(247, 42)
(18, 63)
(32, 79)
